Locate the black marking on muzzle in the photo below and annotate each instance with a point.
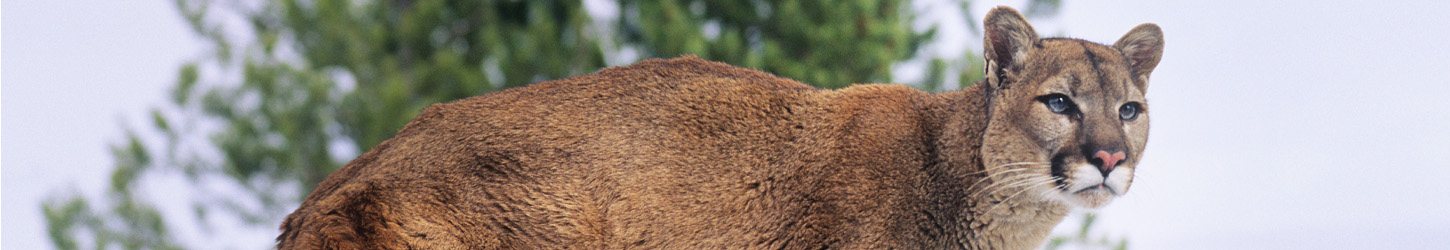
(1059, 170)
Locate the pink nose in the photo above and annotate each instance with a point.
(1109, 160)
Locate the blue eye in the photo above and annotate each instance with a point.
(1058, 103)
(1128, 112)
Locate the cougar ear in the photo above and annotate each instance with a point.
(1143, 46)
(1008, 39)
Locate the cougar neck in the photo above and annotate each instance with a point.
(963, 217)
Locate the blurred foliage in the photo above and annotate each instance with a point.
(828, 43)
(1085, 238)
(129, 222)
(292, 89)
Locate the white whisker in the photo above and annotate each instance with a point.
(984, 178)
(1008, 165)
(1025, 187)
(1006, 183)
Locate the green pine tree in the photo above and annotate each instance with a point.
(823, 42)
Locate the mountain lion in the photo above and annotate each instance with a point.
(691, 154)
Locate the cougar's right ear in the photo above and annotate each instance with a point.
(1008, 39)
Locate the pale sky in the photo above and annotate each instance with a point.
(1276, 124)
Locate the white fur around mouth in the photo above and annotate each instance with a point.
(1089, 189)
(1099, 187)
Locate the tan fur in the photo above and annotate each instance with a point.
(691, 154)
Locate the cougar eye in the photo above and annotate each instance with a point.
(1128, 112)
(1058, 103)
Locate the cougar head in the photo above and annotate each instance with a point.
(1068, 120)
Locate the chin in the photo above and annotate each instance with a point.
(1090, 190)
(1090, 199)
